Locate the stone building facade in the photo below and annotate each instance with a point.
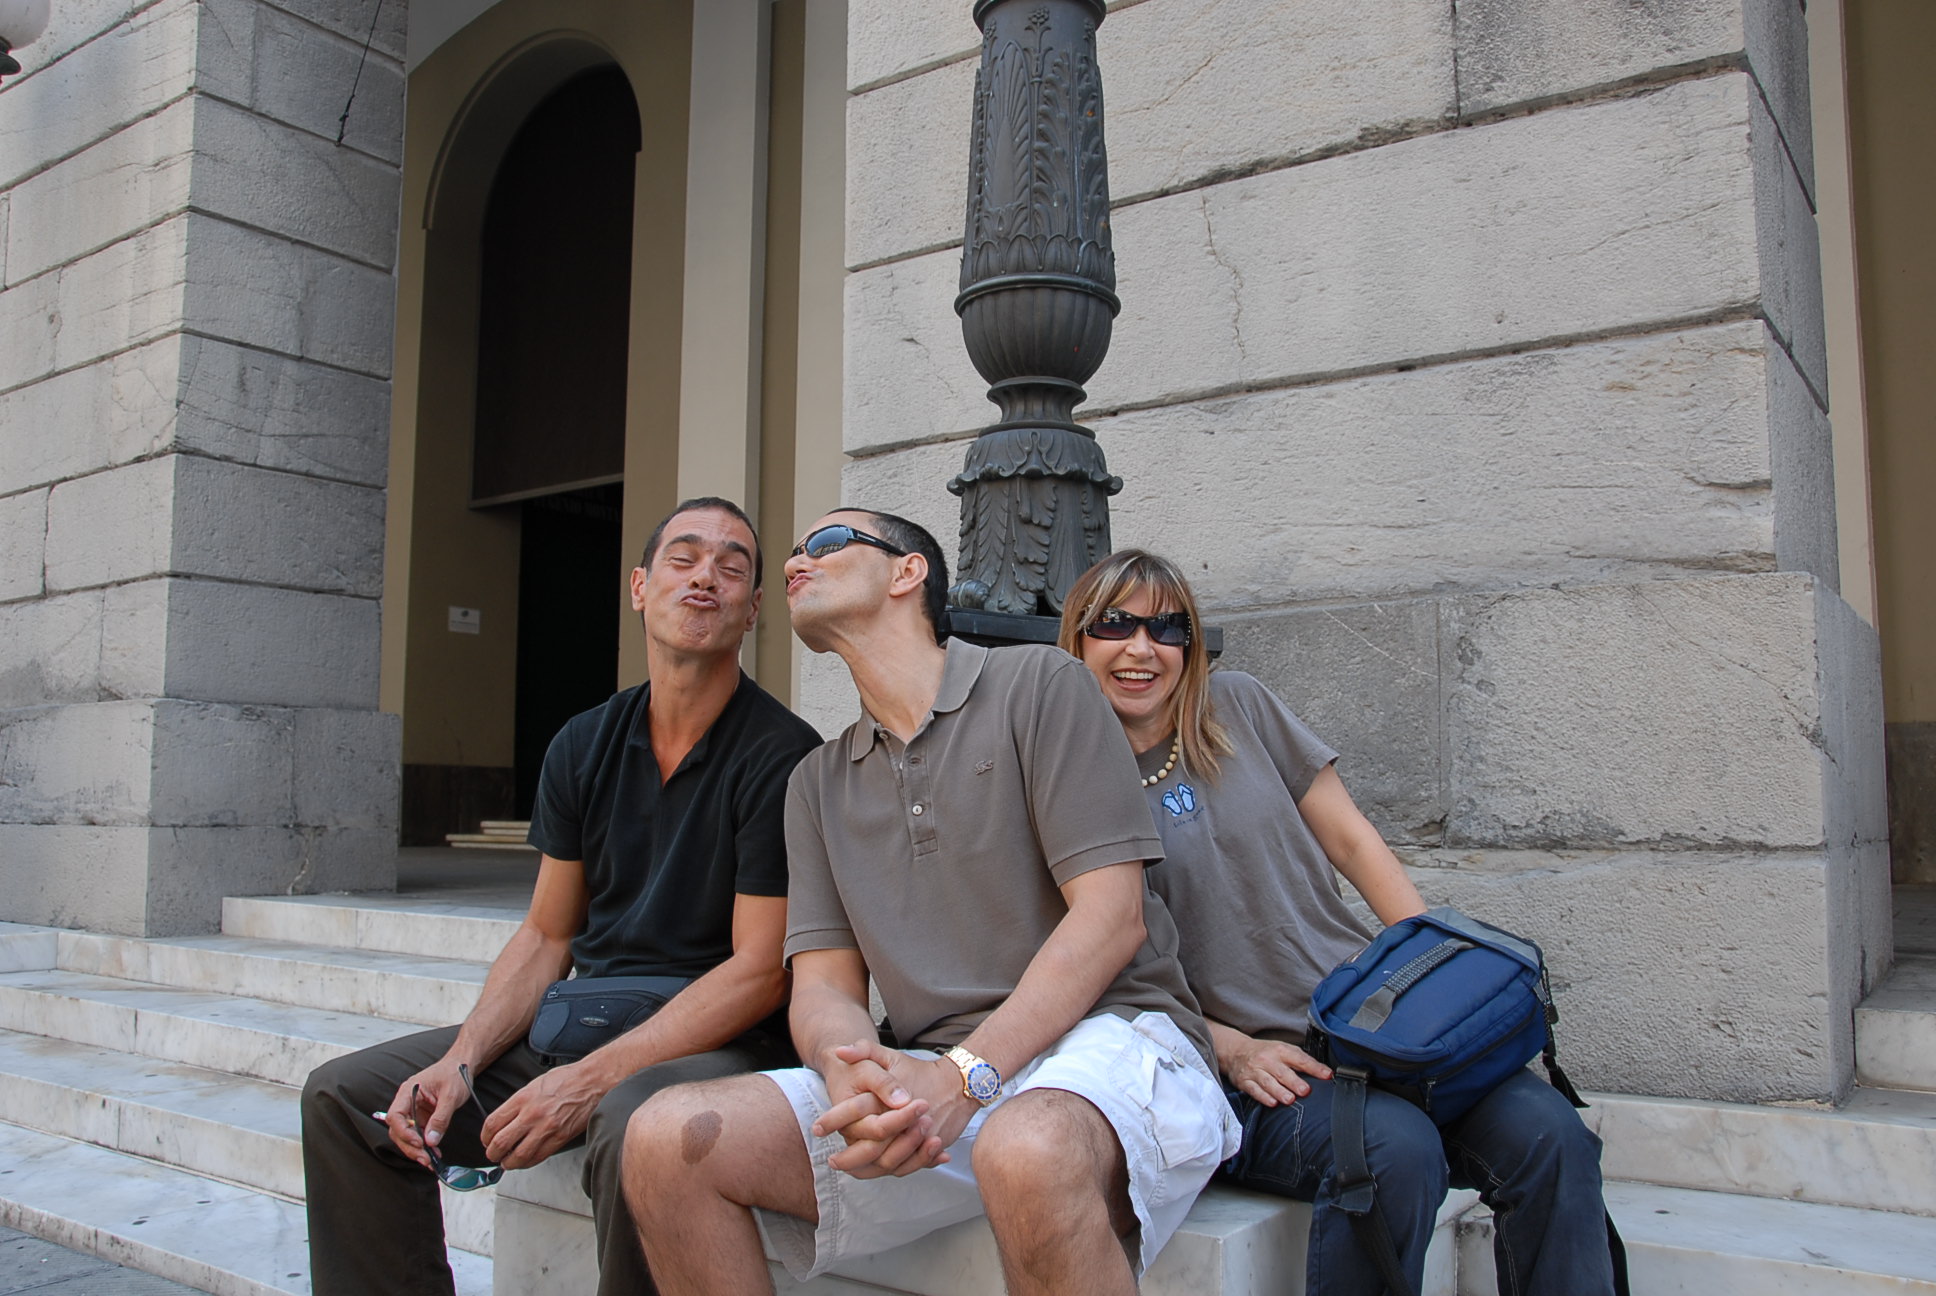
(1476, 358)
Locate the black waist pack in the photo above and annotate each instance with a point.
(579, 1016)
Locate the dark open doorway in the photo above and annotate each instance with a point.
(567, 651)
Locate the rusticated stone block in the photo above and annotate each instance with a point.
(1605, 217)
(183, 514)
(1631, 459)
(239, 523)
(118, 76)
(273, 177)
(90, 876)
(217, 765)
(1688, 974)
(1687, 712)
(244, 643)
(1184, 101)
(1802, 462)
(886, 38)
(1365, 677)
(76, 764)
(112, 526)
(53, 650)
(259, 290)
(1789, 255)
(103, 193)
(110, 412)
(347, 768)
(1521, 51)
(23, 544)
(301, 78)
(277, 412)
(1628, 459)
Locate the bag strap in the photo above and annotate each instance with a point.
(1374, 1011)
(1356, 1189)
(1616, 1248)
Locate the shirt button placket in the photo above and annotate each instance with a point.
(920, 804)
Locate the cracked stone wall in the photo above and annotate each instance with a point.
(196, 287)
(1472, 360)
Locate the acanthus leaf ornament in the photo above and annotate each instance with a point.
(1037, 303)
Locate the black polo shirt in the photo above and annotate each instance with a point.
(663, 863)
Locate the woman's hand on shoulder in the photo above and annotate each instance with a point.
(1270, 1071)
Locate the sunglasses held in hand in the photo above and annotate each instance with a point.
(460, 1178)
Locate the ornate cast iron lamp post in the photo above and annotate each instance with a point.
(1037, 304)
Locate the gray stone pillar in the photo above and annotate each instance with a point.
(195, 333)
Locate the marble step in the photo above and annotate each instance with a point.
(1876, 1152)
(1895, 1027)
(248, 1037)
(403, 987)
(471, 928)
(1683, 1242)
(230, 1127)
(221, 1238)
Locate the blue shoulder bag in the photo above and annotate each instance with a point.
(1438, 1009)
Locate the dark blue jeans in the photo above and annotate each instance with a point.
(1523, 1147)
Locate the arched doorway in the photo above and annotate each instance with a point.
(513, 582)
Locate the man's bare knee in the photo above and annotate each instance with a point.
(735, 1139)
(1048, 1141)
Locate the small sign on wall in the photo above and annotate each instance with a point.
(466, 621)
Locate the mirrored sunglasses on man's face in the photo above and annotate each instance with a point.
(832, 539)
(1171, 629)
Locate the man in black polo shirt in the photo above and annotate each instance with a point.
(660, 816)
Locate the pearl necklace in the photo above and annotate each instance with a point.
(1176, 749)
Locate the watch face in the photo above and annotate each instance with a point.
(983, 1083)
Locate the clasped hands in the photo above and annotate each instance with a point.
(898, 1113)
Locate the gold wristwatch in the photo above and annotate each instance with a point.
(979, 1080)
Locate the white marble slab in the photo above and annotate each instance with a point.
(280, 1042)
(540, 1250)
(27, 949)
(1877, 1152)
(1895, 1027)
(402, 987)
(218, 1237)
(243, 1130)
(466, 928)
(1682, 1241)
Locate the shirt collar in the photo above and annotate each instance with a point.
(958, 676)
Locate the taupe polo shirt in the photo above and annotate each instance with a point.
(939, 859)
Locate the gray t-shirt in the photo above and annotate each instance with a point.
(940, 859)
(1256, 902)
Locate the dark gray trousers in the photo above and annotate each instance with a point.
(375, 1224)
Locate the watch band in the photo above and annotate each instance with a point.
(979, 1080)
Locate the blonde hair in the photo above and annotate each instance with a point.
(1116, 580)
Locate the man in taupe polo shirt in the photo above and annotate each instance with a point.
(975, 842)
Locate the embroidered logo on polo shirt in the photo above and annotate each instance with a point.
(982, 767)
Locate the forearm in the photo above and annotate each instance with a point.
(530, 962)
(1228, 1042)
(1371, 867)
(826, 1017)
(1084, 953)
(714, 1010)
